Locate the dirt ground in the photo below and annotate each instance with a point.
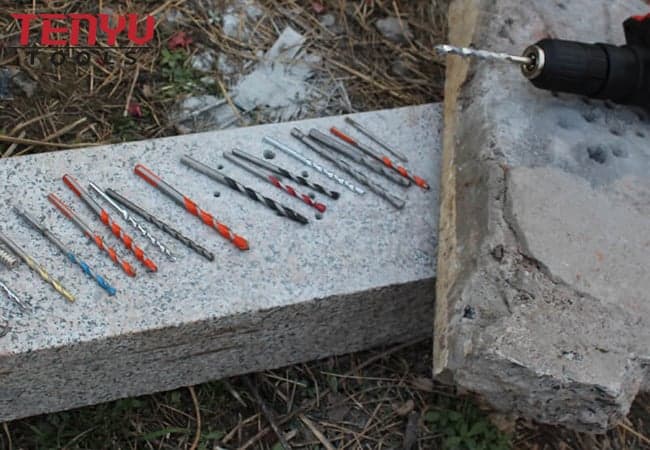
(380, 399)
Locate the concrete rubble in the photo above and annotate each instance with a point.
(543, 294)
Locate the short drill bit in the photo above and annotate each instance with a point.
(349, 152)
(363, 130)
(309, 163)
(385, 160)
(352, 171)
(184, 201)
(107, 220)
(134, 222)
(24, 306)
(482, 54)
(285, 173)
(32, 264)
(160, 224)
(237, 186)
(67, 252)
(7, 259)
(275, 181)
(90, 234)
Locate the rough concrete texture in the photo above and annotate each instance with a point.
(361, 276)
(543, 298)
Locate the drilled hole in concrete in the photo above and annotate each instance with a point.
(597, 154)
(318, 216)
(616, 131)
(312, 196)
(268, 154)
(469, 313)
(589, 116)
(641, 134)
(305, 174)
(619, 152)
(561, 5)
(555, 94)
(217, 194)
(220, 166)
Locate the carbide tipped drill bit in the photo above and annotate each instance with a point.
(363, 130)
(24, 306)
(285, 173)
(308, 162)
(352, 171)
(132, 220)
(482, 54)
(36, 267)
(68, 253)
(237, 186)
(7, 259)
(184, 201)
(349, 152)
(385, 160)
(115, 228)
(160, 224)
(90, 234)
(275, 181)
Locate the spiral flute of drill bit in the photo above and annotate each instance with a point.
(107, 220)
(134, 223)
(349, 152)
(90, 234)
(101, 281)
(314, 165)
(32, 264)
(160, 224)
(7, 259)
(381, 158)
(24, 306)
(184, 201)
(275, 181)
(237, 186)
(481, 54)
(285, 173)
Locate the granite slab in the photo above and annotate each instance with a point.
(359, 276)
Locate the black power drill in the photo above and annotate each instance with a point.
(602, 71)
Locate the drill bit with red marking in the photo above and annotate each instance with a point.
(106, 219)
(275, 181)
(181, 199)
(90, 234)
(385, 160)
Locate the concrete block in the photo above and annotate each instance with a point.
(543, 298)
(361, 276)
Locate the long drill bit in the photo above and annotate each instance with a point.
(385, 160)
(24, 306)
(184, 201)
(482, 54)
(32, 264)
(67, 252)
(237, 186)
(7, 259)
(134, 222)
(275, 181)
(349, 152)
(107, 220)
(285, 173)
(352, 171)
(309, 163)
(160, 224)
(363, 130)
(90, 234)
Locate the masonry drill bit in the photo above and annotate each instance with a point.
(67, 252)
(184, 201)
(275, 181)
(482, 54)
(90, 234)
(285, 173)
(363, 130)
(309, 163)
(385, 160)
(7, 259)
(160, 224)
(32, 264)
(237, 186)
(24, 306)
(352, 171)
(134, 222)
(107, 220)
(349, 152)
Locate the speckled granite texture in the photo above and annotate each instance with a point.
(360, 277)
(543, 294)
